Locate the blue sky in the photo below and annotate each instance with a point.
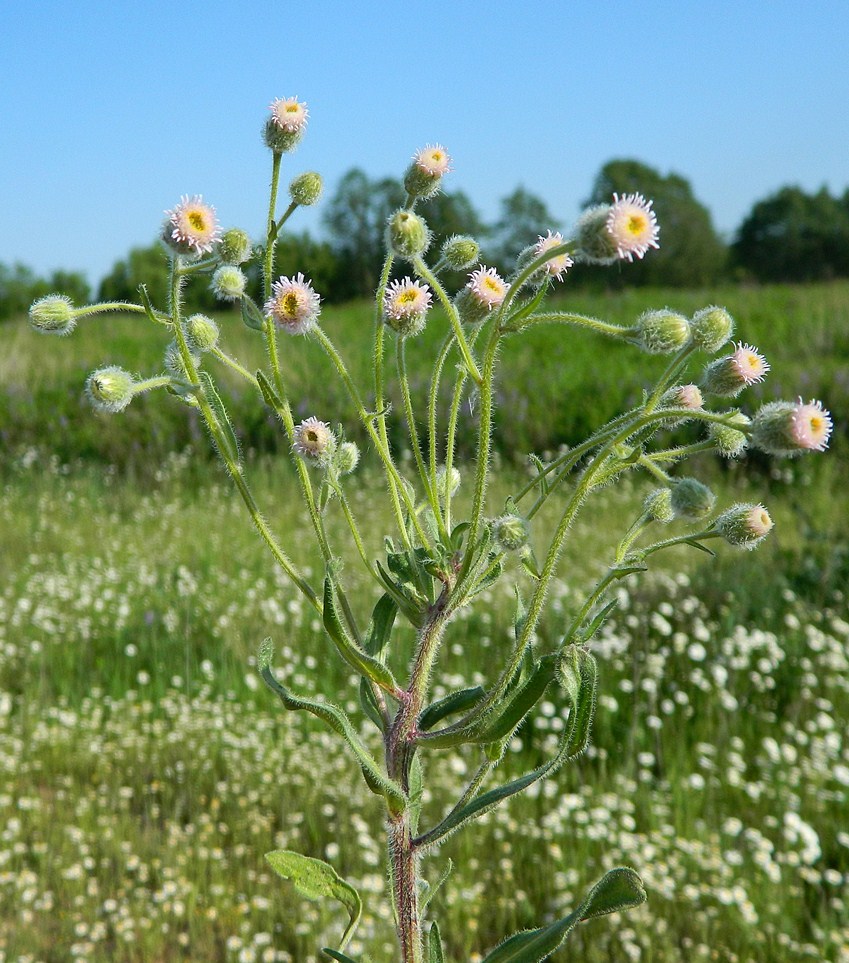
(111, 111)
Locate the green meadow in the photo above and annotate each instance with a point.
(146, 770)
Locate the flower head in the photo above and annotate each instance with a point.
(487, 287)
(293, 306)
(405, 305)
(730, 375)
(791, 428)
(433, 160)
(557, 266)
(810, 426)
(289, 114)
(53, 314)
(192, 227)
(229, 282)
(314, 440)
(745, 526)
(632, 225)
(110, 389)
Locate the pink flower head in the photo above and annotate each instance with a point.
(557, 266)
(406, 299)
(433, 160)
(289, 114)
(633, 225)
(192, 227)
(688, 396)
(748, 364)
(758, 521)
(487, 288)
(293, 305)
(810, 426)
(313, 439)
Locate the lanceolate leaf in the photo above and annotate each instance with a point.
(315, 879)
(337, 720)
(618, 890)
(455, 702)
(364, 663)
(251, 314)
(228, 435)
(335, 955)
(434, 946)
(577, 673)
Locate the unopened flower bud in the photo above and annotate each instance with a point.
(53, 314)
(730, 442)
(174, 362)
(744, 526)
(728, 376)
(201, 332)
(285, 127)
(461, 251)
(692, 499)
(594, 242)
(683, 396)
(235, 247)
(305, 189)
(407, 234)
(447, 484)
(658, 505)
(314, 441)
(424, 175)
(711, 328)
(662, 332)
(791, 428)
(511, 532)
(347, 458)
(110, 389)
(229, 283)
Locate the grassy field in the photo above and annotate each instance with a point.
(145, 771)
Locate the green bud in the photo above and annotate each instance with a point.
(729, 441)
(407, 235)
(744, 526)
(470, 309)
(279, 139)
(447, 485)
(662, 332)
(658, 505)
(595, 244)
(110, 389)
(692, 499)
(201, 332)
(347, 458)
(511, 532)
(174, 361)
(229, 283)
(461, 252)
(305, 189)
(711, 328)
(235, 247)
(53, 314)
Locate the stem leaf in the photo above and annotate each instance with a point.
(251, 314)
(434, 945)
(315, 879)
(617, 890)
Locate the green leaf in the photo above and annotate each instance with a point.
(618, 890)
(522, 700)
(148, 307)
(364, 663)
(411, 606)
(379, 630)
(315, 879)
(698, 545)
(577, 673)
(334, 717)
(434, 945)
(269, 395)
(542, 479)
(596, 623)
(458, 533)
(432, 890)
(251, 314)
(228, 438)
(335, 955)
(455, 702)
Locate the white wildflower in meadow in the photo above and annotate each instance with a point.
(433, 159)
(192, 226)
(293, 306)
(313, 439)
(632, 224)
(558, 265)
(405, 305)
(289, 114)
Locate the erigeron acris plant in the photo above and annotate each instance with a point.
(435, 564)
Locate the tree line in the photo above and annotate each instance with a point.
(790, 236)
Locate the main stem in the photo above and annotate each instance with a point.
(403, 860)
